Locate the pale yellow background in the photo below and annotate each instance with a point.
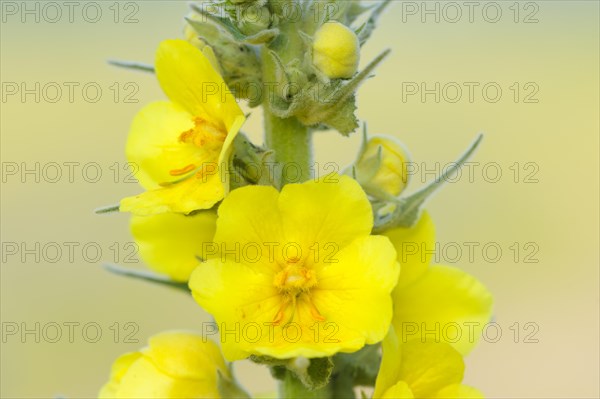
(559, 213)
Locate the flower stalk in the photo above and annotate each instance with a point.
(292, 387)
(290, 139)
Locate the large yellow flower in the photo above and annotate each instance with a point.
(180, 148)
(171, 243)
(435, 301)
(174, 365)
(297, 273)
(418, 369)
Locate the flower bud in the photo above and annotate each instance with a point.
(254, 19)
(174, 365)
(336, 50)
(381, 167)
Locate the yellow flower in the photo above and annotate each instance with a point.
(297, 273)
(174, 365)
(388, 173)
(171, 243)
(439, 301)
(336, 50)
(181, 147)
(418, 369)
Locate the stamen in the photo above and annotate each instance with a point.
(182, 171)
(314, 312)
(203, 133)
(280, 313)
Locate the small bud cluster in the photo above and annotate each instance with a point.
(299, 59)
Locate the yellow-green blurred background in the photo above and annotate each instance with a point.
(558, 135)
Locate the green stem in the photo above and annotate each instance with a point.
(291, 387)
(291, 142)
(289, 138)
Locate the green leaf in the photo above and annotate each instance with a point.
(357, 8)
(206, 31)
(136, 66)
(362, 365)
(407, 210)
(253, 164)
(317, 374)
(146, 275)
(268, 360)
(350, 88)
(343, 120)
(334, 104)
(223, 23)
(262, 37)
(292, 387)
(107, 209)
(365, 31)
(226, 25)
(313, 373)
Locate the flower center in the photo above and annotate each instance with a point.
(206, 137)
(203, 134)
(295, 279)
(294, 282)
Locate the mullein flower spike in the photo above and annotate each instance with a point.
(315, 277)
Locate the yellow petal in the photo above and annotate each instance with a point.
(399, 390)
(174, 365)
(360, 281)
(196, 192)
(145, 380)
(186, 356)
(118, 370)
(424, 367)
(414, 246)
(227, 150)
(429, 367)
(445, 300)
(389, 370)
(248, 217)
(239, 297)
(153, 145)
(188, 78)
(334, 210)
(170, 243)
(459, 391)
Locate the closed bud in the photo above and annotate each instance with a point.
(336, 50)
(381, 168)
(174, 365)
(254, 19)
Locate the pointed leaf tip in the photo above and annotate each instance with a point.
(107, 209)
